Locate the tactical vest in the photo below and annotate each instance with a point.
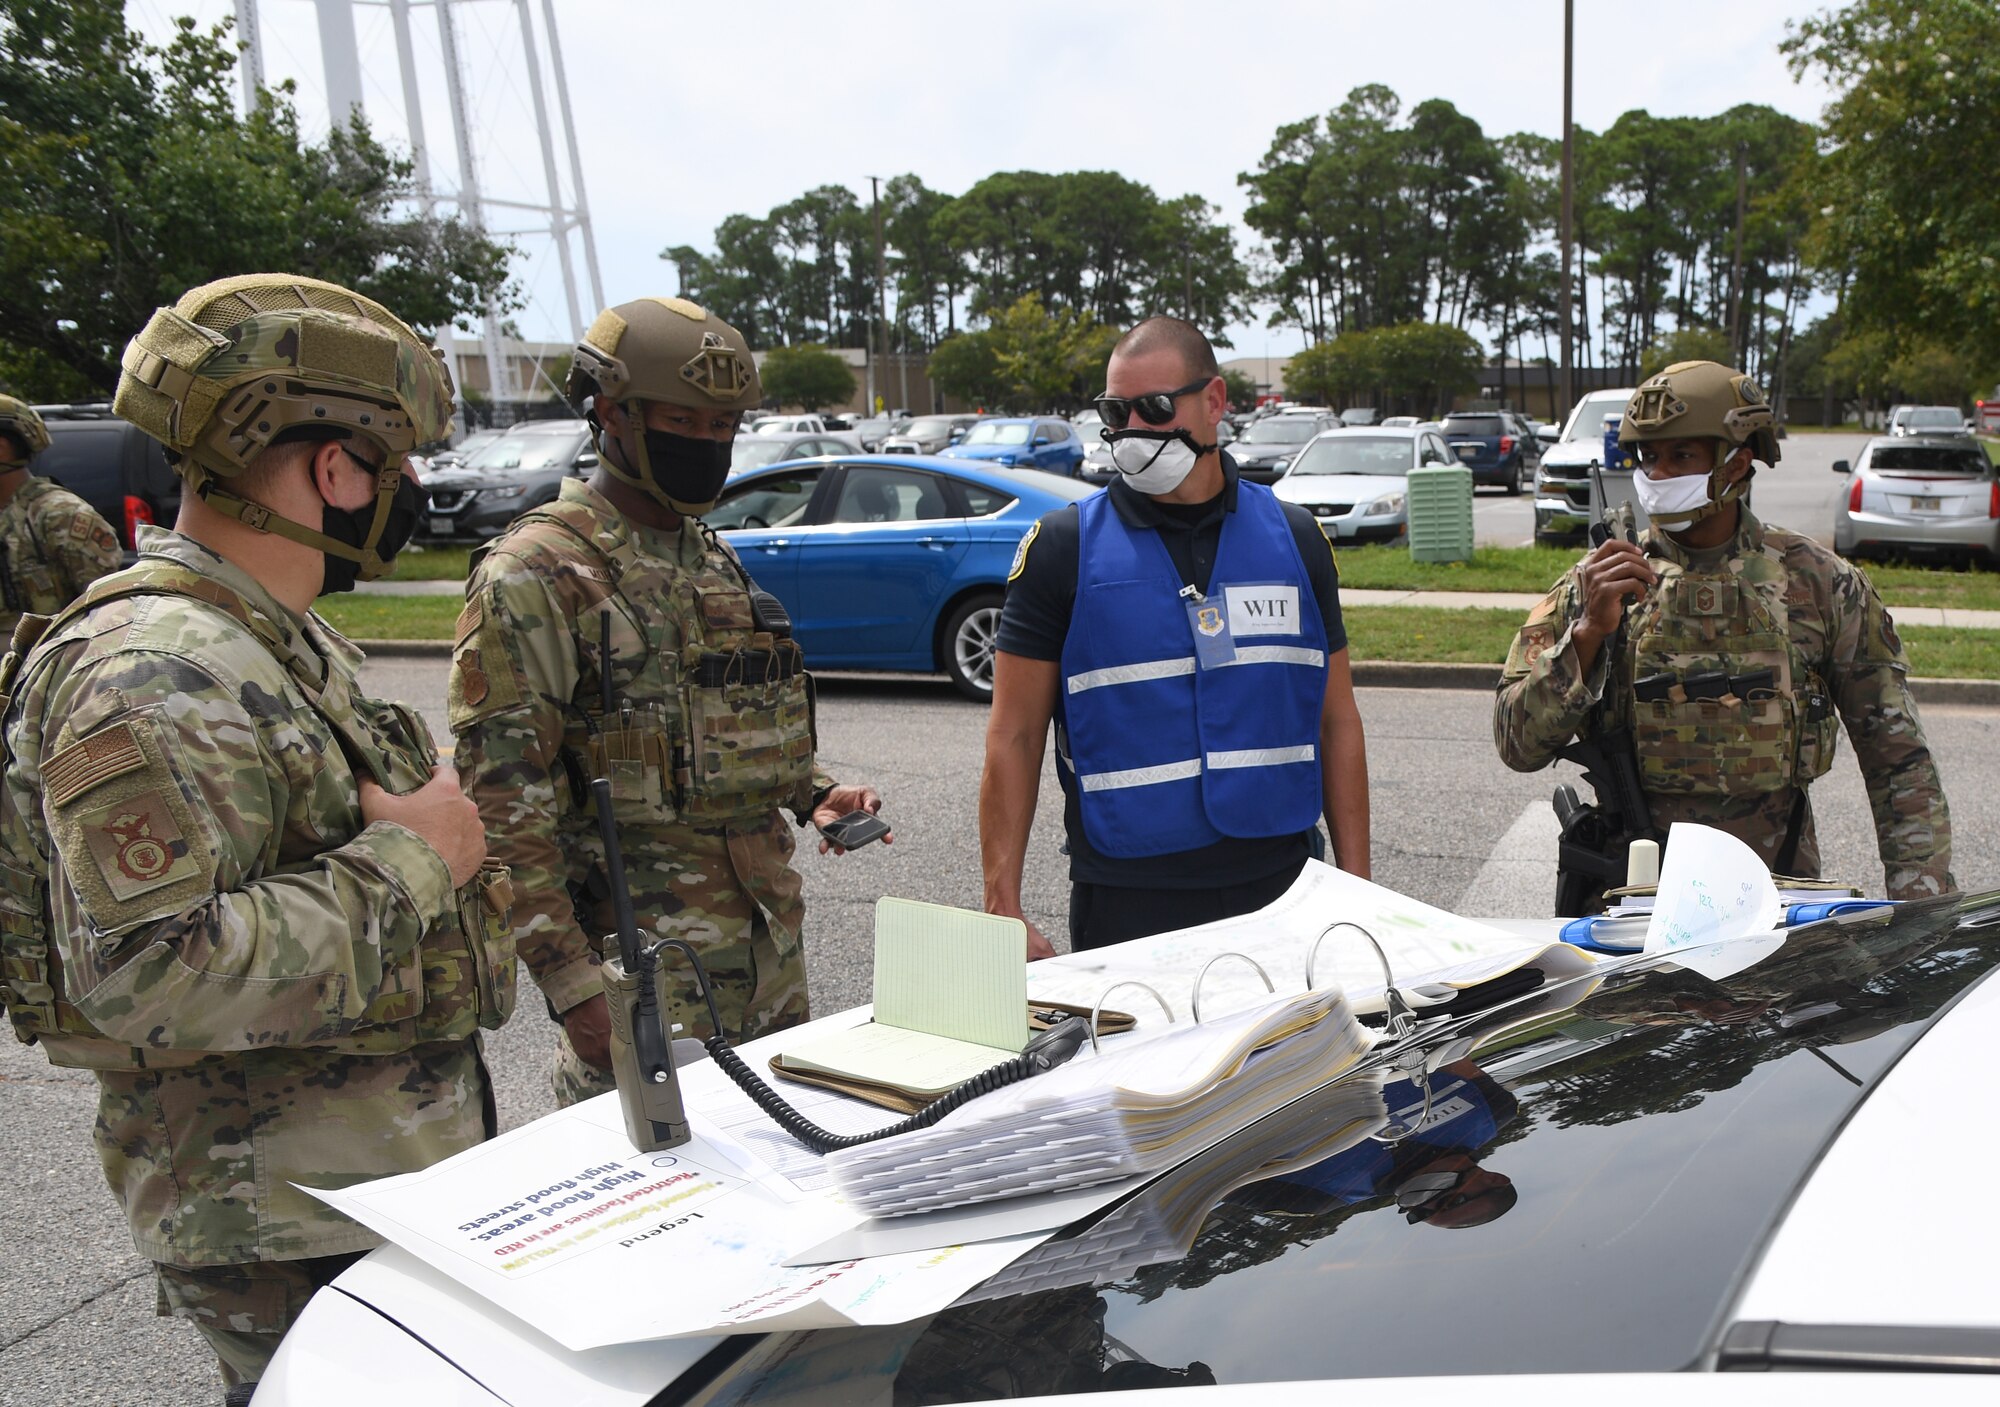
(30, 584)
(1722, 702)
(1172, 744)
(459, 979)
(719, 730)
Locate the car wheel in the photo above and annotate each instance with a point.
(968, 643)
(1513, 484)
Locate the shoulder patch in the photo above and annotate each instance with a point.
(138, 846)
(1021, 552)
(96, 759)
(483, 679)
(132, 847)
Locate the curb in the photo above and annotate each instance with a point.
(406, 649)
(1368, 674)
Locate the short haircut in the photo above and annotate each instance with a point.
(1182, 336)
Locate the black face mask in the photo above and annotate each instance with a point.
(687, 472)
(351, 527)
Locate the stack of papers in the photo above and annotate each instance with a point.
(1138, 1107)
(1160, 1221)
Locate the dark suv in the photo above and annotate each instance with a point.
(522, 469)
(115, 467)
(1495, 445)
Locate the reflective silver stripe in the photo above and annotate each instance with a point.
(1278, 654)
(1142, 776)
(1262, 756)
(1130, 673)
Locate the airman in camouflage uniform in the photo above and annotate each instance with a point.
(242, 894)
(1742, 644)
(699, 713)
(52, 543)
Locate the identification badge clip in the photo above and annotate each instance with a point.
(1213, 644)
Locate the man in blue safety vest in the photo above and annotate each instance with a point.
(1182, 631)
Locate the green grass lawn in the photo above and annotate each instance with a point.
(1424, 634)
(392, 617)
(431, 564)
(1536, 569)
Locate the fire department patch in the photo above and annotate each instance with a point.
(137, 845)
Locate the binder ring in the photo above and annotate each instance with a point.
(1402, 1017)
(1098, 1010)
(1406, 1063)
(1194, 1002)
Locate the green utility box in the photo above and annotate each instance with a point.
(1440, 502)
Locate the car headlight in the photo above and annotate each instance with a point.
(1393, 503)
(513, 491)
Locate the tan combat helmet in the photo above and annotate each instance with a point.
(18, 418)
(234, 364)
(661, 349)
(1704, 400)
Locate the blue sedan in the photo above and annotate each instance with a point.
(890, 561)
(1031, 442)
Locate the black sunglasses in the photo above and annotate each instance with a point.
(1155, 408)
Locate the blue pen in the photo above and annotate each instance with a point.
(1608, 933)
(1813, 913)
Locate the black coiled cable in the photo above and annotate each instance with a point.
(819, 1140)
(1048, 1050)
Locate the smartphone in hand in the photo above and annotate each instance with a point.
(855, 829)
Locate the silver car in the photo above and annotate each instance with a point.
(1919, 494)
(1352, 479)
(928, 434)
(757, 450)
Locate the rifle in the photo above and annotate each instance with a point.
(1590, 855)
(648, 1090)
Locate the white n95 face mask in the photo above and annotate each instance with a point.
(1154, 461)
(1672, 502)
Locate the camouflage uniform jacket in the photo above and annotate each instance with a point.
(52, 545)
(1839, 629)
(526, 700)
(224, 914)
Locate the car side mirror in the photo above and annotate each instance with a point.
(1041, 440)
(1841, 466)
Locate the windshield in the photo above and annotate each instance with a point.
(1354, 454)
(930, 429)
(526, 451)
(996, 432)
(1280, 430)
(1473, 425)
(1588, 422)
(750, 452)
(1933, 417)
(1930, 459)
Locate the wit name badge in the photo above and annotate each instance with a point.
(1212, 643)
(1255, 609)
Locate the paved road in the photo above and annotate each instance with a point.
(1798, 492)
(1451, 826)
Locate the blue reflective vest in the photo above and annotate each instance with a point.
(1166, 753)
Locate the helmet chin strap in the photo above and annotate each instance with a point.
(212, 489)
(643, 480)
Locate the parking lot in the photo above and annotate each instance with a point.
(1451, 826)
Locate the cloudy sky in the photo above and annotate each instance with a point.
(689, 113)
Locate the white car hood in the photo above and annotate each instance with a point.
(1573, 454)
(1310, 489)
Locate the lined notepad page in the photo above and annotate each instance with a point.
(951, 972)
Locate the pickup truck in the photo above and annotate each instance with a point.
(1495, 445)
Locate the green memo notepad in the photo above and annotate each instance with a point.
(951, 997)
